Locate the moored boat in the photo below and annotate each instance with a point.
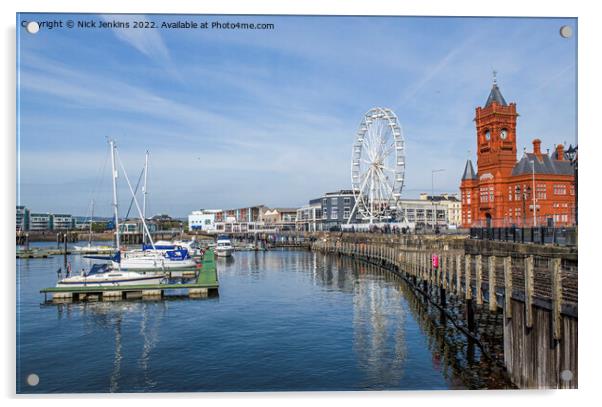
(223, 247)
(103, 275)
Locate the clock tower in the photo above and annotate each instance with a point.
(496, 134)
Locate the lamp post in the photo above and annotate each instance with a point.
(534, 191)
(572, 156)
(433, 195)
(524, 196)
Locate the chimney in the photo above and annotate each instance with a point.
(560, 152)
(537, 148)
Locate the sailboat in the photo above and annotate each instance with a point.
(113, 274)
(152, 257)
(90, 249)
(103, 275)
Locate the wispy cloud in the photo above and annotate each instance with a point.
(147, 41)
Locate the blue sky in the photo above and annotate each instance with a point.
(238, 117)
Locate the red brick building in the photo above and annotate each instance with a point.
(504, 191)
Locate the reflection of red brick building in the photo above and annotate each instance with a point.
(500, 192)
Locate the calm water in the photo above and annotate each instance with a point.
(284, 320)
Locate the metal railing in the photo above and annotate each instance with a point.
(562, 236)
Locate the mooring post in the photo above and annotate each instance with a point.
(508, 286)
(444, 271)
(529, 280)
(65, 250)
(479, 278)
(459, 275)
(556, 298)
(58, 241)
(467, 277)
(443, 281)
(468, 292)
(492, 296)
(450, 273)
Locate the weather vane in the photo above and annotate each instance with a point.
(494, 77)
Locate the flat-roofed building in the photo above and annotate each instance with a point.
(40, 221)
(203, 220)
(22, 218)
(62, 221)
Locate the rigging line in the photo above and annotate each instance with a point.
(99, 178)
(125, 174)
(135, 192)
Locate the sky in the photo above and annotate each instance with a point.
(235, 117)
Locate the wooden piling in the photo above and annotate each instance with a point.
(529, 276)
(467, 278)
(508, 286)
(492, 295)
(479, 278)
(459, 274)
(556, 298)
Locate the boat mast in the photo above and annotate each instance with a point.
(91, 218)
(115, 208)
(145, 191)
(145, 227)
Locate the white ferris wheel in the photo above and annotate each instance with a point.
(378, 165)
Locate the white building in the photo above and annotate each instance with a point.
(203, 220)
(428, 211)
(309, 217)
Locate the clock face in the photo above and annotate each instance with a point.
(504, 134)
(487, 135)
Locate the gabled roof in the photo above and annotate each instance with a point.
(544, 166)
(469, 172)
(495, 96)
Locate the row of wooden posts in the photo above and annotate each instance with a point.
(453, 271)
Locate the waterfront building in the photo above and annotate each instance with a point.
(309, 216)
(241, 220)
(81, 223)
(135, 226)
(203, 220)
(536, 190)
(336, 209)
(424, 212)
(22, 218)
(280, 218)
(40, 222)
(62, 222)
(449, 203)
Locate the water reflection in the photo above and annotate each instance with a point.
(113, 317)
(286, 320)
(381, 301)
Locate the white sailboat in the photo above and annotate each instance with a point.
(103, 275)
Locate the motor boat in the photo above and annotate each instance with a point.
(103, 275)
(223, 247)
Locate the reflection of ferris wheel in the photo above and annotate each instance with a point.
(378, 165)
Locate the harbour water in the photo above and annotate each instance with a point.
(284, 321)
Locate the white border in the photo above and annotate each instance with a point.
(590, 101)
